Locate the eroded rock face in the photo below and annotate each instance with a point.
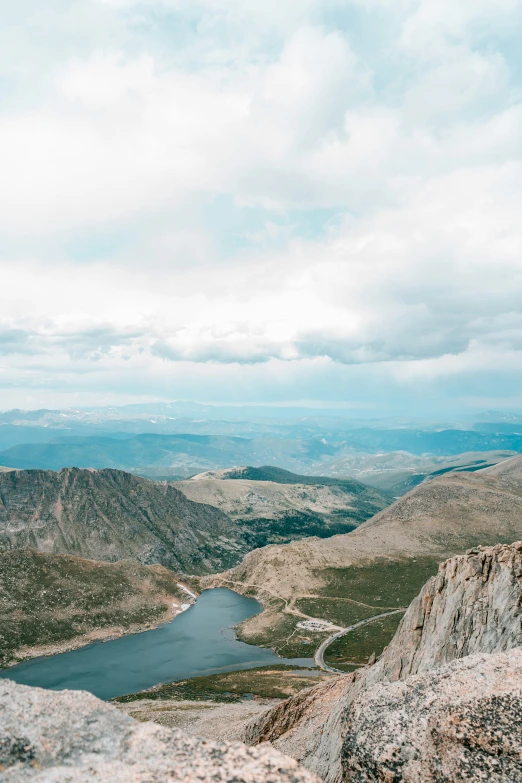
(473, 605)
(72, 737)
(110, 515)
(461, 722)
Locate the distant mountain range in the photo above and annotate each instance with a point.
(186, 453)
(398, 472)
(175, 452)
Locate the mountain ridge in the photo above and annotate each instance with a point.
(274, 505)
(111, 515)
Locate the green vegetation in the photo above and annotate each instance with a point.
(51, 599)
(282, 635)
(291, 527)
(381, 583)
(336, 610)
(358, 645)
(270, 682)
(348, 596)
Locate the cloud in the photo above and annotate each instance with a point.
(380, 166)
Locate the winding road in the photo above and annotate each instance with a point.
(319, 655)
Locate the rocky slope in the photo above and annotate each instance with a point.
(50, 603)
(273, 505)
(72, 737)
(401, 545)
(458, 723)
(472, 606)
(110, 515)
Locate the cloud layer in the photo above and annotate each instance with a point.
(236, 200)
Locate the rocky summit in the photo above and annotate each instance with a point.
(72, 737)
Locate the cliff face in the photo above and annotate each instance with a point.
(72, 737)
(111, 515)
(473, 605)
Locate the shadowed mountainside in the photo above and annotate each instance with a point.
(111, 515)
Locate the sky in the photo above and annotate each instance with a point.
(279, 201)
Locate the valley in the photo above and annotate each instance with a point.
(163, 570)
(380, 565)
(110, 517)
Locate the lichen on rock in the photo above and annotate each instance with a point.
(73, 737)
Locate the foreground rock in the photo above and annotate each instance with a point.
(461, 722)
(210, 719)
(72, 737)
(473, 605)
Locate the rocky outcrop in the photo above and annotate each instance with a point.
(111, 515)
(473, 605)
(72, 737)
(460, 723)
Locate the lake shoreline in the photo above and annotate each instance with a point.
(119, 661)
(96, 636)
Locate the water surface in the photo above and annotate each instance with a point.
(200, 641)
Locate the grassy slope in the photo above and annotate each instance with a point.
(270, 682)
(56, 601)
